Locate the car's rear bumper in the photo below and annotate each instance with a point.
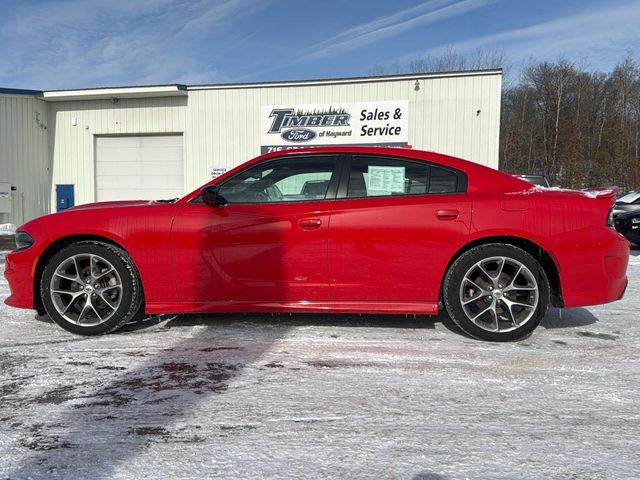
(595, 270)
(624, 290)
(18, 272)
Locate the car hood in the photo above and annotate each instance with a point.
(89, 214)
(120, 204)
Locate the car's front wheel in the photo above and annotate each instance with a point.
(496, 292)
(91, 288)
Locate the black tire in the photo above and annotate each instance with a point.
(130, 302)
(451, 291)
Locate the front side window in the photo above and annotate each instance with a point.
(291, 179)
(380, 176)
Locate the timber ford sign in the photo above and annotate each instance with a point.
(364, 123)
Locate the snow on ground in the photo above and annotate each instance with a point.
(7, 229)
(322, 396)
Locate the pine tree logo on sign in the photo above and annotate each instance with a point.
(285, 117)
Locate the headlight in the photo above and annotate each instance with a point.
(635, 220)
(23, 240)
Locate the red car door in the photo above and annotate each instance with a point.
(394, 230)
(267, 243)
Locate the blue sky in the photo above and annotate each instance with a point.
(83, 43)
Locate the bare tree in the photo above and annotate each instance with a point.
(450, 60)
(583, 129)
(579, 127)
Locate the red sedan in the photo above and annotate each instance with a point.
(346, 229)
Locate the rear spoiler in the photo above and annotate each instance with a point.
(604, 192)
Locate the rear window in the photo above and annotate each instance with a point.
(372, 176)
(443, 181)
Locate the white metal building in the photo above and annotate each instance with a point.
(65, 147)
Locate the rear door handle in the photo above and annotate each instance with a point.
(309, 223)
(447, 214)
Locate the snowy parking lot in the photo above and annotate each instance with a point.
(322, 396)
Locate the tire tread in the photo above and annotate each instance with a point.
(137, 297)
(483, 251)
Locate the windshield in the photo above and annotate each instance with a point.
(629, 197)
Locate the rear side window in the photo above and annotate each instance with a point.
(383, 176)
(443, 181)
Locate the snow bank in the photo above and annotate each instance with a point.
(591, 193)
(7, 229)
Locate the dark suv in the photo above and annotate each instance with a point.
(628, 224)
(627, 203)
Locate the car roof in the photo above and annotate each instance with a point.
(425, 155)
(480, 177)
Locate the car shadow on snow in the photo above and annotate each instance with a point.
(568, 318)
(287, 321)
(115, 403)
(555, 318)
(429, 476)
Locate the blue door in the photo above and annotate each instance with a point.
(64, 197)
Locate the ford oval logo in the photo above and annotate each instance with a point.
(298, 135)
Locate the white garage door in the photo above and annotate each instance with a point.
(139, 168)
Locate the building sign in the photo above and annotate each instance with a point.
(217, 171)
(366, 123)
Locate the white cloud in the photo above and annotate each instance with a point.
(371, 32)
(393, 25)
(601, 36)
(75, 43)
(215, 14)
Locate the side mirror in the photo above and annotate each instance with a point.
(211, 197)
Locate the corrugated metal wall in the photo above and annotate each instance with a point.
(458, 115)
(73, 146)
(24, 156)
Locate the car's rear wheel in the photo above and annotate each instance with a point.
(496, 292)
(91, 288)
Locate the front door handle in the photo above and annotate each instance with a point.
(309, 223)
(447, 214)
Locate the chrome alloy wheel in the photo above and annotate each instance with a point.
(86, 289)
(499, 294)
